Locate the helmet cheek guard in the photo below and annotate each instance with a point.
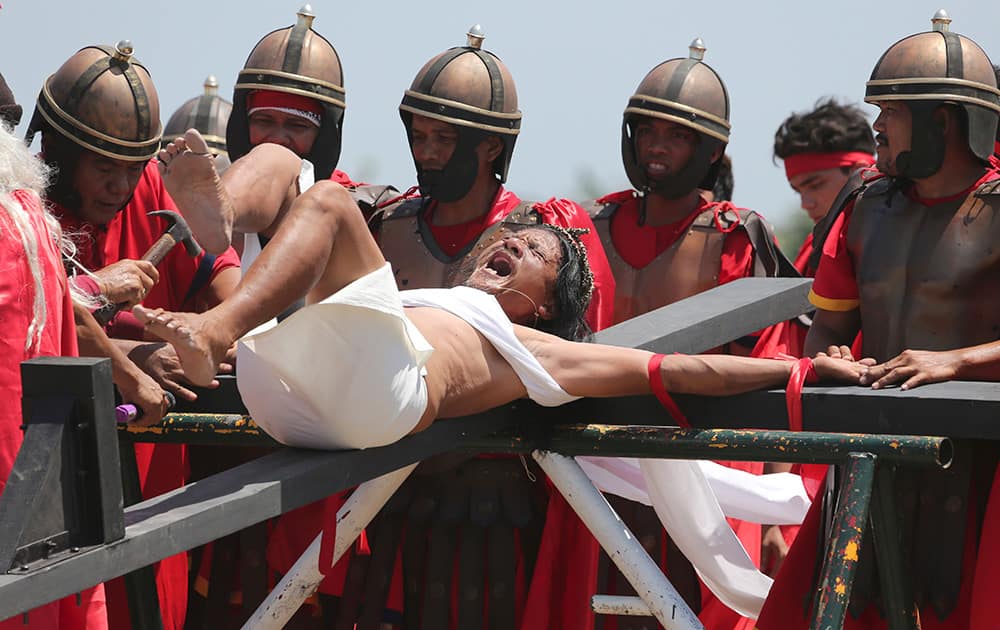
(687, 92)
(473, 90)
(294, 60)
(927, 70)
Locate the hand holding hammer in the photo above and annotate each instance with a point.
(177, 232)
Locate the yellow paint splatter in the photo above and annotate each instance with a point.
(851, 551)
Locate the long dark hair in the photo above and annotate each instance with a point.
(572, 291)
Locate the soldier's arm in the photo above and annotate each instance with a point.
(832, 328)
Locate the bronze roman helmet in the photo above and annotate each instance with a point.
(10, 111)
(298, 61)
(472, 89)
(930, 69)
(207, 113)
(690, 93)
(103, 100)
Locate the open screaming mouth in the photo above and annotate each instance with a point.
(500, 264)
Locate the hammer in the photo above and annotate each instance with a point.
(177, 232)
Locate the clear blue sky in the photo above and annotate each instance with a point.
(575, 65)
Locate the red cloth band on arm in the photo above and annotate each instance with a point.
(656, 384)
(809, 162)
(802, 372)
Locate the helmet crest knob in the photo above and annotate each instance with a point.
(211, 85)
(306, 16)
(697, 49)
(475, 37)
(941, 21)
(123, 50)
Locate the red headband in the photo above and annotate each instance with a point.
(809, 162)
(273, 99)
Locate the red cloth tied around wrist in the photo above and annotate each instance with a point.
(809, 162)
(803, 372)
(656, 384)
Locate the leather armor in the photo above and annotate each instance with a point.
(417, 261)
(691, 264)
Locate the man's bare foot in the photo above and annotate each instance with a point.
(188, 171)
(200, 346)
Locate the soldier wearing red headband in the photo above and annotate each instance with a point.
(906, 263)
(821, 149)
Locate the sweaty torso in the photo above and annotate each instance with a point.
(466, 374)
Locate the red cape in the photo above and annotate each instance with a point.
(17, 295)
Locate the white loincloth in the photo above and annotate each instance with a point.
(344, 373)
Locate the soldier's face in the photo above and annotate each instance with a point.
(818, 189)
(104, 185)
(277, 127)
(432, 142)
(663, 147)
(893, 133)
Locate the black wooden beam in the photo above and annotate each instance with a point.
(957, 410)
(715, 317)
(232, 500)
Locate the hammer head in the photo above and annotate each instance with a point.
(179, 230)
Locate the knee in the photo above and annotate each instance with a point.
(332, 201)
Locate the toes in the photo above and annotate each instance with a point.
(195, 142)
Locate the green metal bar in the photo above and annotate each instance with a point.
(200, 428)
(897, 586)
(725, 444)
(849, 523)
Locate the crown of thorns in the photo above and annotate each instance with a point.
(573, 237)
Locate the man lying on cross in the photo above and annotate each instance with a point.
(365, 364)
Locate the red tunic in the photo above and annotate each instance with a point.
(128, 236)
(17, 294)
(562, 212)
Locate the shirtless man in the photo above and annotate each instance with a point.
(324, 251)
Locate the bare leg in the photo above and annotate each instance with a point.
(322, 245)
(251, 197)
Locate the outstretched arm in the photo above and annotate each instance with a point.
(594, 370)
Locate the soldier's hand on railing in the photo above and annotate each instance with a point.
(141, 390)
(913, 368)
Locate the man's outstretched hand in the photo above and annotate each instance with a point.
(841, 370)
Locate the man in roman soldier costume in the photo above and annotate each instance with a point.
(209, 114)
(99, 120)
(665, 242)
(906, 264)
(821, 150)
